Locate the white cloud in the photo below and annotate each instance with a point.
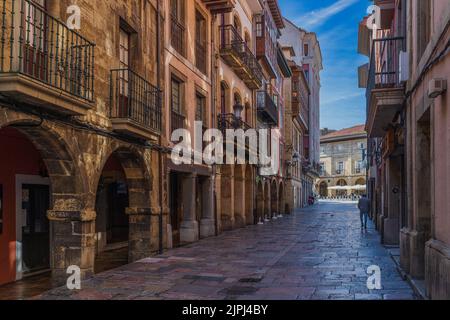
(316, 18)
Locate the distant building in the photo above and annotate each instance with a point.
(342, 163)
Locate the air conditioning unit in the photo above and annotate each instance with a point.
(403, 66)
(436, 87)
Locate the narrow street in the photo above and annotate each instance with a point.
(318, 253)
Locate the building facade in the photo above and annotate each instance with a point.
(303, 92)
(408, 126)
(89, 119)
(343, 171)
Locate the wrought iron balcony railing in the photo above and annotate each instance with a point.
(177, 35)
(134, 98)
(39, 46)
(384, 71)
(236, 53)
(266, 107)
(230, 121)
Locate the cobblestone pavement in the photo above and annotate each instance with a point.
(318, 253)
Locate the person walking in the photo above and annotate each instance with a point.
(364, 208)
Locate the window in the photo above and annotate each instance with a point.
(259, 26)
(306, 50)
(200, 110)
(200, 42)
(176, 96)
(358, 167)
(124, 62)
(340, 167)
(423, 26)
(177, 30)
(322, 168)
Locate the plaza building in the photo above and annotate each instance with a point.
(343, 163)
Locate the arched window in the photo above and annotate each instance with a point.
(223, 98)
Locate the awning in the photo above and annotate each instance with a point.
(356, 187)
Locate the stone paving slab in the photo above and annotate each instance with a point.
(318, 253)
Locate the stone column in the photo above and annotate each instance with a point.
(239, 207)
(207, 225)
(72, 243)
(189, 231)
(226, 203)
(139, 241)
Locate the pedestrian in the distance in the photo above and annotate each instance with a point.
(364, 208)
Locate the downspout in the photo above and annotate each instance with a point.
(214, 111)
(160, 152)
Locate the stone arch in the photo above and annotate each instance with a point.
(239, 199)
(249, 192)
(69, 218)
(139, 207)
(323, 189)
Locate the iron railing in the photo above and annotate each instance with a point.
(200, 56)
(232, 42)
(384, 71)
(136, 99)
(177, 35)
(266, 107)
(230, 121)
(37, 45)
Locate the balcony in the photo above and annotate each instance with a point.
(135, 105)
(219, 6)
(42, 62)
(230, 121)
(177, 35)
(266, 107)
(239, 57)
(385, 91)
(266, 47)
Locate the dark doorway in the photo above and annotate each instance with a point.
(112, 223)
(35, 231)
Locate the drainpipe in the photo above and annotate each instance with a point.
(160, 153)
(214, 67)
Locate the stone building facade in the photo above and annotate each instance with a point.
(303, 93)
(87, 123)
(343, 163)
(408, 125)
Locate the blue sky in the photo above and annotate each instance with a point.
(336, 24)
